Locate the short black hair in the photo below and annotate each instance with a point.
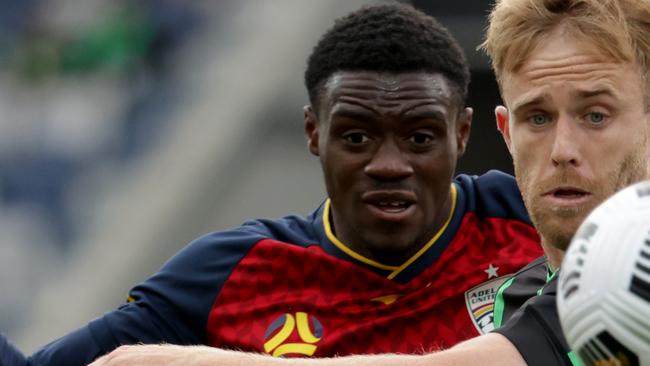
(386, 38)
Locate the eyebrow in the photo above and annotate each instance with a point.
(360, 114)
(606, 91)
(531, 100)
(537, 99)
(365, 114)
(424, 114)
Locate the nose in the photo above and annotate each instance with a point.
(566, 144)
(389, 163)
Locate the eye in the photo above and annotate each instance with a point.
(421, 138)
(538, 119)
(356, 137)
(596, 118)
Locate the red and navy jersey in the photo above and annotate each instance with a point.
(289, 287)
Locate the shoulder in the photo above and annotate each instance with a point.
(522, 286)
(294, 229)
(193, 277)
(537, 270)
(9, 354)
(536, 332)
(236, 242)
(493, 194)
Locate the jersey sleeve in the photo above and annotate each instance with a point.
(535, 330)
(170, 307)
(494, 194)
(10, 355)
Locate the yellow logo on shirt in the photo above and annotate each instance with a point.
(291, 334)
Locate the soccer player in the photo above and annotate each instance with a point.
(574, 76)
(399, 258)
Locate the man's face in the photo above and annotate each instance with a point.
(577, 129)
(388, 145)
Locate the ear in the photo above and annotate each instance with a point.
(503, 118)
(463, 127)
(311, 129)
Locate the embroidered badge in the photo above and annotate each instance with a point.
(480, 303)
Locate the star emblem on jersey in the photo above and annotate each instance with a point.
(293, 335)
(492, 271)
(480, 303)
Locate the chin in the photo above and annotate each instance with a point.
(388, 245)
(557, 231)
(388, 248)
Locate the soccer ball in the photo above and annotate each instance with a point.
(604, 284)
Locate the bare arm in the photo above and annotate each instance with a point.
(488, 350)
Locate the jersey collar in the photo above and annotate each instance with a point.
(389, 271)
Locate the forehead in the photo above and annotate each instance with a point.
(564, 62)
(396, 91)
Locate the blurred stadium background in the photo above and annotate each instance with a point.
(129, 128)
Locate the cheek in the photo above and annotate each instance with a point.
(618, 154)
(631, 167)
(434, 178)
(341, 171)
(436, 172)
(529, 152)
(525, 170)
(332, 174)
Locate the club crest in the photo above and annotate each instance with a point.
(480, 304)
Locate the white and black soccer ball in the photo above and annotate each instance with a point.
(604, 284)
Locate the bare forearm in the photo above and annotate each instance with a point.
(171, 355)
(230, 358)
(490, 350)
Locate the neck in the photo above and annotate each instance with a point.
(553, 255)
(390, 247)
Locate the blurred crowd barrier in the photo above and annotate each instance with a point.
(129, 128)
(84, 90)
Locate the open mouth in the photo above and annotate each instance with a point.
(568, 196)
(392, 206)
(569, 193)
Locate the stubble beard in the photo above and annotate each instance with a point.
(557, 225)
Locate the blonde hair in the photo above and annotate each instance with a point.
(620, 28)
